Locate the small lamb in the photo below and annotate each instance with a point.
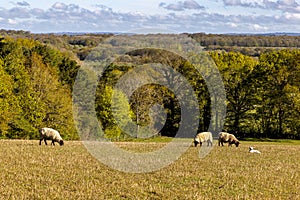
(252, 150)
(50, 134)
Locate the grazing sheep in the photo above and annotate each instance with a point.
(50, 134)
(203, 137)
(228, 138)
(252, 150)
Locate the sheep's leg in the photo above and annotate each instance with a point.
(53, 143)
(45, 141)
(41, 141)
(221, 144)
(200, 144)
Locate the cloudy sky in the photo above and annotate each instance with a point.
(210, 16)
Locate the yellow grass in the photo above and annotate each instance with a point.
(30, 171)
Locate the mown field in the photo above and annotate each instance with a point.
(30, 171)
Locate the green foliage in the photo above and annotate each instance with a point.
(34, 96)
(279, 92)
(8, 106)
(114, 112)
(113, 133)
(263, 95)
(237, 72)
(137, 64)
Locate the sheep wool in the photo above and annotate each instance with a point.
(203, 137)
(50, 134)
(228, 138)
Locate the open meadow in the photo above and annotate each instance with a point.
(30, 171)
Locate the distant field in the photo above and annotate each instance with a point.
(30, 171)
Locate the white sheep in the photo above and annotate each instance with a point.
(252, 150)
(50, 134)
(203, 137)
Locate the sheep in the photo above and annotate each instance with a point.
(252, 150)
(227, 137)
(50, 134)
(203, 137)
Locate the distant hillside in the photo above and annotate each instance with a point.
(280, 34)
(248, 44)
(81, 44)
(264, 34)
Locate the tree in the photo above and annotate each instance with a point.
(39, 97)
(279, 90)
(237, 71)
(8, 102)
(147, 66)
(52, 101)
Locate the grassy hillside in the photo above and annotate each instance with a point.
(30, 171)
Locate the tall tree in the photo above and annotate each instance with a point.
(8, 102)
(279, 89)
(237, 72)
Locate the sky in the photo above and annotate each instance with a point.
(181, 16)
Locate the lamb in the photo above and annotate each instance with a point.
(252, 150)
(50, 134)
(228, 138)
(203, 137)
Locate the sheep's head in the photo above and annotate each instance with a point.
(196, 143)
(237, 143)
(61, 142)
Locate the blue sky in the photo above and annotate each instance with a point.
(210, 16)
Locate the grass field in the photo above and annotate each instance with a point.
(30, 171)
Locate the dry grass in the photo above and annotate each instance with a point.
(30, 171)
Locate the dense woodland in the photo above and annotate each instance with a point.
(261, 75)
(35, 89)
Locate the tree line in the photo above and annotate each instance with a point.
(35, 89)
(250, 40)
(262, 93)
(251, 44)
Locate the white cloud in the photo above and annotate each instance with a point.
(292, 16)
(257, 27)
(232, 25)
(283, 5)
(182, 5)
(245, 3)
(12, 21)
(59, 6)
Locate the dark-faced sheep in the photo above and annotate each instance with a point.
(203, 137)
(228, 138)
(50, 134)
